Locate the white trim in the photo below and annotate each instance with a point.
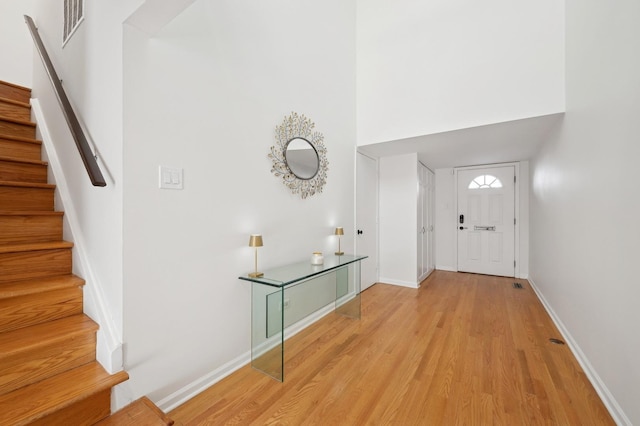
(446, 268)
(187, 392)
(516, 241)
(109, 345)
(425, 276)
(398, 282)
(377, 213)
(601, 389)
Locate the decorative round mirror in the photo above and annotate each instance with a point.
(299, 156)
(302, 158)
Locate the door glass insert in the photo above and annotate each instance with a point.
(484, 182)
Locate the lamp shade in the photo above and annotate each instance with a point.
(339, 231)
(255, 240)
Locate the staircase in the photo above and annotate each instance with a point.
(48, 369)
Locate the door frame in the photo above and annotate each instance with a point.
(376, 213)
(516, 240)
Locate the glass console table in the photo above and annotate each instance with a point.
(286, 295)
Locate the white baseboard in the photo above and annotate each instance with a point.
(199, 385)
(398, 282)
(109, 340)
(607, 398)
(521, 275)
(446, 268)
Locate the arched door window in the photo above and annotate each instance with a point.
(485, 182)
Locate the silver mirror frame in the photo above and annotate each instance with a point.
(292, 127)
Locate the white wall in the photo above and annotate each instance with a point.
(90, 66)
(446, 226)
(206, 95)
(426, 67)
(398, 219)
(445, 222)
(584, 203)
(16, 45)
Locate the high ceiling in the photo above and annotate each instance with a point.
(516, 140)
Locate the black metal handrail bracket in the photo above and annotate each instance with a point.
(88, 158)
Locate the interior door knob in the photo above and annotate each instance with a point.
(359, 231)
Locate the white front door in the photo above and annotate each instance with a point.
(367, 218)
(486, 220)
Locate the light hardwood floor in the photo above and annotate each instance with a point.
(463, 349)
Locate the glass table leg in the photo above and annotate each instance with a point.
(267, 334)
(348, 290)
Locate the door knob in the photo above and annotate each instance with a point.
(463, 227)
(359, 231)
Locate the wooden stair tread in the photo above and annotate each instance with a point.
(30, 213)
(26, 338)
(14, 91)
(24, 161)
(21, 139)
(23, 226)
(26, 184)
(17, 121)
(15, 102)
(14, 108)
(17, 86)
(39, 399)
(38, 285)
(138, 413)
(21, 147)
(51, 245)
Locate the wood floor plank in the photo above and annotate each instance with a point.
(462, 349)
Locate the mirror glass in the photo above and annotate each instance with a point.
(302, 158)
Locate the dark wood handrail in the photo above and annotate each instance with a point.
(87, 156)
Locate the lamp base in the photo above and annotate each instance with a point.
(339, 253)
(256, 274)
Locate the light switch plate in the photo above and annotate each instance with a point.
(170, 177)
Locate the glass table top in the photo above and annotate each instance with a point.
(294, 272)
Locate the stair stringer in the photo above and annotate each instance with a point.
(109, 350)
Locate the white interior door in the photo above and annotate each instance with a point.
(425, 222)
(429, 258)
(486, 221)
(367, 218)
(422, 212)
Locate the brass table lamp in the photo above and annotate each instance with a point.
(339, 232)
(255, 240)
